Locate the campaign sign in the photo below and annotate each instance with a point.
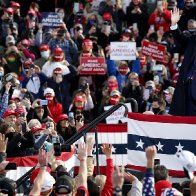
(92, 66)
(156, 51)
(117, 115)
(51, 20)
(123, 51)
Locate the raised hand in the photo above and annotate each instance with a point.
(82, 151)
(107, 150)
(3, 143)
(175, 16)
(90, 143)
(151, 152)
(118, 177)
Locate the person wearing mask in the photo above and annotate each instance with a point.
(160, 18)
(133, 89)
(45, 55)
(158, 107)
(168, 95)
(183, 101)
(33, 81)
(37, 111)
(54, 108)
(57, 60)
(12, 56)
(137, 13)
(61, 85)
(18, 141)
(187, 13)
(191, 28)
(64, 41)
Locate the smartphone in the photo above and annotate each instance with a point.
(186, 191)
(108, 29)
(176, 57)
(159, 4)
(47, 125)
(43, 102)
(152, 27)
(11, 166)
(156, 162)
(146, 94)
(135, 26)
(70, 116)
(157, 68)
(76, 7)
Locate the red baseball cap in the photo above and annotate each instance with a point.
(44, 47)
(9, 10)
(9, 113)
(107, 16)
(61, 117)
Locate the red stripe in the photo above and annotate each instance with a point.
(101, 128)
(163, 119)
(173, 173)
(31, 161)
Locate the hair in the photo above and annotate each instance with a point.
(100, 181)
(191, 21)
(3, 127)
(160, 173)
(131, 74)
(93, 188)
(34, 122)
(160, 101)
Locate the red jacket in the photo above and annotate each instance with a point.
(107, 189)
(55, 110)
(160, 20)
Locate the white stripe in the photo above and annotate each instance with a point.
(162, 130)
(110, 138)
(138, 158)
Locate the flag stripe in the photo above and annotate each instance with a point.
(163, 130)
(169, 145)
(162, 119)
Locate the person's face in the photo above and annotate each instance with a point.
(10, 119)
(39, 111)
(191, 25)
(155, 104)
(79, 104)
(12, 106)
(136, 2)
(64, 123)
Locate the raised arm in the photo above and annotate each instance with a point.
(39, 180)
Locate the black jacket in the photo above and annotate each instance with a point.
(183, 103)
(18, 145)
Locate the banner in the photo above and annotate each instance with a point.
(122, 50)
(92, 66)
(170, 134)
(51, 20)
(156, 51)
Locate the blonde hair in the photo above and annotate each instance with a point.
(100, 181)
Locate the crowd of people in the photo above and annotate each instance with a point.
(46, 100)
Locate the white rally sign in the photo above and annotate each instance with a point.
(123, 51)
(117, 115)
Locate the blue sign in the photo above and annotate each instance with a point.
(51, 20)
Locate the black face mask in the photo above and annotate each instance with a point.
(189, 5)
(156, 110)
(10, 135)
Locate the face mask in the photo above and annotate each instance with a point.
(45, 54)
(49, 97)
(113, 101)
(61, 15)
(59, 79)
(91, 22)
(123, 69)
(188, 4)
(10, 135)
(156, 110)
(192, 30)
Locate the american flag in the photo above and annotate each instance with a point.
(170, 134)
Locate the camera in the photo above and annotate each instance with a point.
(79, 116)
(59, 148)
